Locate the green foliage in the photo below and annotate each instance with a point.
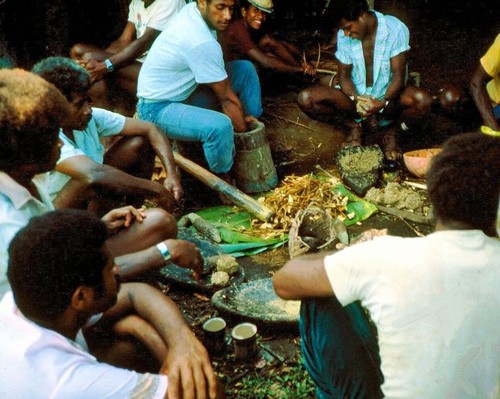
(287, 382)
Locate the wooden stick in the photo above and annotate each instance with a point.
(289, 120)
(327, 71)
(319, 56)
(238, 197)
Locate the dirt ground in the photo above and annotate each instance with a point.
(447, 39)
(443, 54)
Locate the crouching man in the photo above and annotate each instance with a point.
(65, 288)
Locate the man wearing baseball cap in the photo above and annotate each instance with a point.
(245, 38)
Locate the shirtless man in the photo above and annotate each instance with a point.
(119, 64)
(371, 50)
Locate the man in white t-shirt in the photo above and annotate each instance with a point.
(185, 87)
(119, 64)
(73, 332)
(434, 300)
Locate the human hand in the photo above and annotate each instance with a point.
(166, 199)
(366, 235)
(190, 373)
(308, 69)
(173, 185)
(187, 255)
(122, 217)
(96, 69)
(367, 105)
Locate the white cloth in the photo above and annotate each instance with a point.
(184, 55)
(435, 301)
(155, 16)
(39, 363)
(87, 142)
(17, 207)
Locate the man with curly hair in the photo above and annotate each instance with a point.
(87, 176)
(31, 112)
(70, 330)
(434, 300)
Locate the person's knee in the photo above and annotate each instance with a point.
(139, 147)
(418, 100)
(305, 100)
(219, 146)
(161, 224)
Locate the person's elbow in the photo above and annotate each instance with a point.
(280, 286)
(283, 282)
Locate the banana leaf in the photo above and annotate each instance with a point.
(229, 221)
(361, 209)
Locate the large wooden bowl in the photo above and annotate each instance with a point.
(418, 161)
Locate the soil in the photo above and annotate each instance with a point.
(443, 56)
(447, 39)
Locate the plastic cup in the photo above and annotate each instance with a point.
(214, 335)
(244, 340)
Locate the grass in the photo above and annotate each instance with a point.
(290, 381)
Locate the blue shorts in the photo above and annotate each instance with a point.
(340, 350)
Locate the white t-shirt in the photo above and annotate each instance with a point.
(435, 301)
(184, 55)
(155, 16)
(17, 207)
(87, 142)
(39, 363)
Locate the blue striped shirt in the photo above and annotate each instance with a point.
(392, 38)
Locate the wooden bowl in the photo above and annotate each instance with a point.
(418, 161)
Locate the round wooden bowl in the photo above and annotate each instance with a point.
(418, 161)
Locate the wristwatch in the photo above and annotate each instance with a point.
(109, 65)
(162, 247)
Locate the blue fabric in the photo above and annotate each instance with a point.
(340, 350)
(496, 111)
(197, 119)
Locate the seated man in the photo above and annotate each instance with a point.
(64, 283)
(245, 39)
(434, 300)
(31, 111)
(183, 84)
(371, 51)
(88, 177)
(485, 86)
(118, 65)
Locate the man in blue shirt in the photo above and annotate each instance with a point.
(371, 53)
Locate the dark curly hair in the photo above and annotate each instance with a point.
(464, 182)
(51, 257)
(350, 10)
(64, 73)
(31, 111)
